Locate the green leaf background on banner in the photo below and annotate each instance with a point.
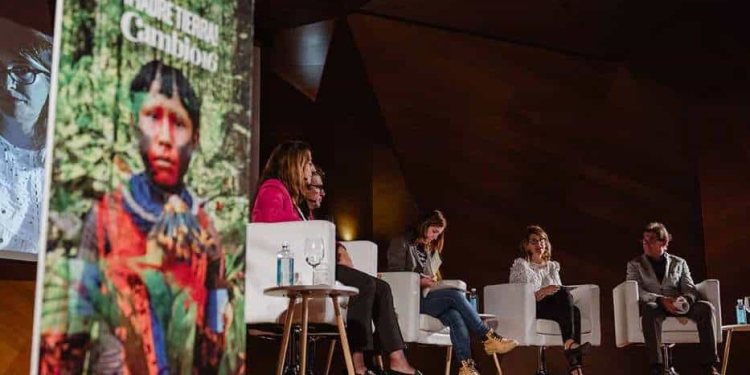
(94, 145)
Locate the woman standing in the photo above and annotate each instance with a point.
(419, 250)
(554, 302)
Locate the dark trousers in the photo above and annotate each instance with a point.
(373, 304)
(701, 312)
(559, 307)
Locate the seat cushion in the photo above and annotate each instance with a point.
(431, 324)
(550, 327)
(672, 324)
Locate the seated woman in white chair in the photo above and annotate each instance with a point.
(553, 301)
(419, 251)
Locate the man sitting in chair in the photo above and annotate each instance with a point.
(666, 289)
(373, 304)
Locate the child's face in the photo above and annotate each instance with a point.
(167, 136)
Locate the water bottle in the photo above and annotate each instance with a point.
(284, 266)
(473, 299)
(741, 313)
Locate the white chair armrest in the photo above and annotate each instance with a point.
(709, 289)
(627, 314)
(586, 298)
(364, 256)
(515, 307)
(406, 295)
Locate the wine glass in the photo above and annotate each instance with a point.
(314, 254)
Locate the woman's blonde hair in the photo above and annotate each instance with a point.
(286, 163)
(527, 232)
(434, 218)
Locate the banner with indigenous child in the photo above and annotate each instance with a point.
(142, 271)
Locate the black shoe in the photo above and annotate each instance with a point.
(580, 350)
(575, 356)
(671, 371)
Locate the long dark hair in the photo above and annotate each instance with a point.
(432, 218)
(285, 164)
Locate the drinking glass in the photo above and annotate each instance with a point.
(314, 253)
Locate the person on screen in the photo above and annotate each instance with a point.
(25, 60)
(150, 268)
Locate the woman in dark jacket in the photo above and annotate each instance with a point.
(419, 250)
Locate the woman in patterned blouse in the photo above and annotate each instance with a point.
(553, 301)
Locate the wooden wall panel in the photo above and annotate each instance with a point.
(17, 282)
(501, 135)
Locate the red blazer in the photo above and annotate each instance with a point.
(273, 204)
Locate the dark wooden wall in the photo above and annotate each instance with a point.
(501, 134)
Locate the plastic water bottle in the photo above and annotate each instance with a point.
(473, 299)
(741, 313)
(284, 266)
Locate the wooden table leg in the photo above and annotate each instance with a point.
(303, 344)
(330, 356)
(287, 333)
(727, 346)
(497, 364)
(342, 334)
(448, 356)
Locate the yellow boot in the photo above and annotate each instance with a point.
(468, 368)
(496, 344)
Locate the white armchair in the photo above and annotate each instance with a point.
(263, 243)
(364, 256)
(415, 327)
(266, 315)
(515, 308)
(628, 318)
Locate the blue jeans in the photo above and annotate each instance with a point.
(454, 311)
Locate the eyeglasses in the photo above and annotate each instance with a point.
(649, 242)
(535, 241)
(315, 186)
(23, 74)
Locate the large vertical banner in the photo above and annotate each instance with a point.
(26, 62)
(143, 271)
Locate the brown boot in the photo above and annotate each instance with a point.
(468, 368)
(496, 344)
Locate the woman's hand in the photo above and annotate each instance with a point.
(546, 291)
(426, 282)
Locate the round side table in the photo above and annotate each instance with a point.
(307, 292)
